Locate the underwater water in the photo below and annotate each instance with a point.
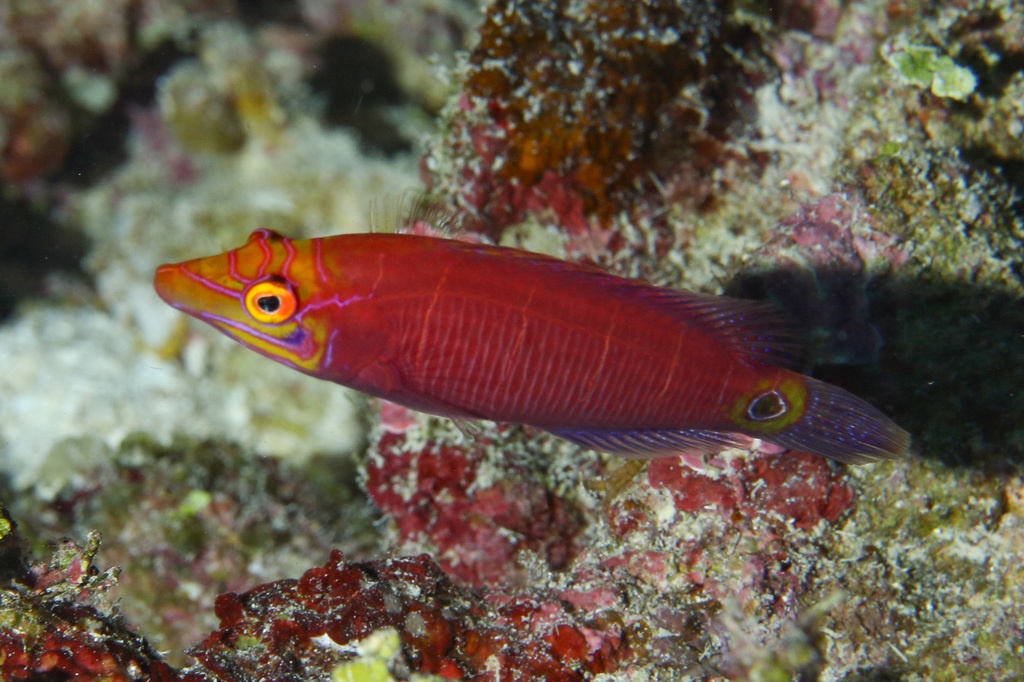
(178, 507)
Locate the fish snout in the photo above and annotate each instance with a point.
(166, 282)
(186, 287)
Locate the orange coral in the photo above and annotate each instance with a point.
(606, 96)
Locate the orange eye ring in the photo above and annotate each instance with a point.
(270, 301)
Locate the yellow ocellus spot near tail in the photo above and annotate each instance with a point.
(771, 406)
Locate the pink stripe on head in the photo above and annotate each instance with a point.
(233, 266)
(268, 256)
(318, 260)
(210, 284)
(289, 247)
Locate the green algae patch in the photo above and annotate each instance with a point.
(195, 501)
(927, 67)
(378, 650)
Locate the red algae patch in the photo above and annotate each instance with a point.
(795, 486)
(440, 498)
(303, 628)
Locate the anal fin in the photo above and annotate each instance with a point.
(654, 444)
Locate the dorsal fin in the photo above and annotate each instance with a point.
(413, 212)
(759, 332)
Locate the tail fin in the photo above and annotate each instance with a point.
(841, 426)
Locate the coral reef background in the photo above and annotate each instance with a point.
(177, 508)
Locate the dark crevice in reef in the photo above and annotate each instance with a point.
(101, 147)
(33, 247)
(258, 13)
(356, 77)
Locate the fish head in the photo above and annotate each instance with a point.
(259, 294)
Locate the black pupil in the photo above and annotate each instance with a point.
(269, 304)
(766, 406)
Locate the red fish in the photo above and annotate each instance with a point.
(472, 331)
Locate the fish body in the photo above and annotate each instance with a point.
(474, 331)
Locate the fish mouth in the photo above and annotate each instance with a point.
(165, 282)
(183, 290)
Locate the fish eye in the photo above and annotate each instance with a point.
(767, 406)
(269, 304)
(271, 301)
